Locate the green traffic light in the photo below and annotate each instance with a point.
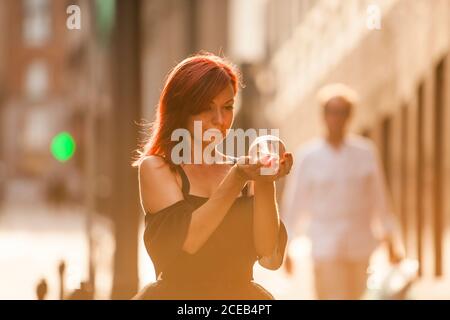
(63, 146)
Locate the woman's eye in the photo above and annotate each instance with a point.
(230, 107)
(207, 109)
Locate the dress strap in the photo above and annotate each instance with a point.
(185, 185)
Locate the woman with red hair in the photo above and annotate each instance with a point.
(205, 227)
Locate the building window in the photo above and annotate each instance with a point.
(36, 80)
(36, 22)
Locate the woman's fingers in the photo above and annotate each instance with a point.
(250, 168)
(254, 169)
(282, 171)
(285, 165)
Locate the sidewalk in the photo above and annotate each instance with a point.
(34, 238)
(430, 289)
(299, 285)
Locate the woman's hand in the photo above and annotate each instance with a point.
(285, 166)
(248, 170)
(254, 171)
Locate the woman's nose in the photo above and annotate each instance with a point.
(218, 117)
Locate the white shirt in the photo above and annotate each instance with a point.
(342, 193)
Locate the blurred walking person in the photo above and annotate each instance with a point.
(337, 188)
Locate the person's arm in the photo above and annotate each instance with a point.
(159, 190)
(389, 230)
(209, 216)
(270, 237)
(266, 221)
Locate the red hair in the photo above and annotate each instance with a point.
(188, 90)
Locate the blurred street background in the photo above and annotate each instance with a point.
(76, 76)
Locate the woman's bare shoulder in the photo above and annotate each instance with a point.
(155, 162)
(159, 187)
(154, 167)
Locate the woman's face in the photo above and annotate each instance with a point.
(219, 115)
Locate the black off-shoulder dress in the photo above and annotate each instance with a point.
(221, 269)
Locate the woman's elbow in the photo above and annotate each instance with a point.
(190, 247)
(267, 245)
(266, 250)
(272, 262)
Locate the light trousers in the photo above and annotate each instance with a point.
(340, 279)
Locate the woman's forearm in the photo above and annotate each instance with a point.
(266, 222)
(207, 218)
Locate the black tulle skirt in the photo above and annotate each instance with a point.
(165, 290)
